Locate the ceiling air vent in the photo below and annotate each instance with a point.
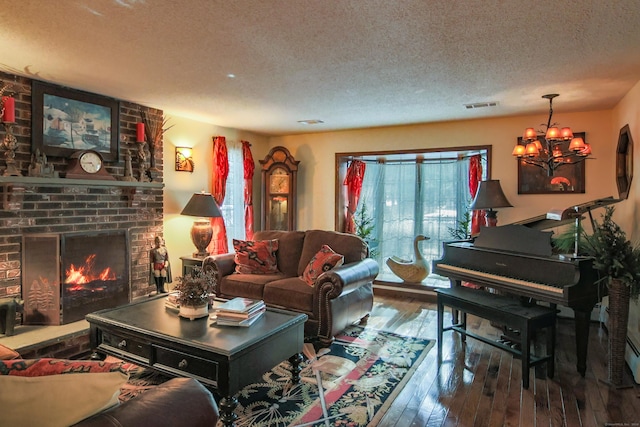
(480, 105)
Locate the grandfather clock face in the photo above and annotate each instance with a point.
(279, 181)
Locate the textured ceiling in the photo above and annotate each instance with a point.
(350, 63)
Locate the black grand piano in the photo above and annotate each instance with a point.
(518, 259)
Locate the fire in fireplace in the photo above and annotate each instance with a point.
(66, 276)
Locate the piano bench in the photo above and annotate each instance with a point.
(504, 310)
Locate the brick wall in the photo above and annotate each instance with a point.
(54, 207)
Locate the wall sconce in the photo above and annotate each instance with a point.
(184, 161)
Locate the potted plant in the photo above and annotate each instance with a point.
(617, 260)
(365, 229)
(195, 291)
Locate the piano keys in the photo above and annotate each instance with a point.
(519, 260)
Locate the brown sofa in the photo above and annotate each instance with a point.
(177, 402)
(339, 297)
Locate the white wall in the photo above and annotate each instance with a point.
(316, 153)
(628, 213)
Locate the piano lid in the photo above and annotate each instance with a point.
(515, 238)
(558, 217)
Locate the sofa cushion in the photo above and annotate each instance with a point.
(352, 247)
(290, 292)
(324, 260)
(289, 249)
(55, 392)
(256, 256)
(246, 285)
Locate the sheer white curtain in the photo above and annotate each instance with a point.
(405, 198)
(233, 206)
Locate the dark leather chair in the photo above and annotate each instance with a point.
(175, 403)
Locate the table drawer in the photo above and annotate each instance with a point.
(138, 348)
(177, 361)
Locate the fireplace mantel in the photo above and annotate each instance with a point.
(64, 182)
(14, 187)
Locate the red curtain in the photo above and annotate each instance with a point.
(249, 167)
(219, 244)
(475, 176)
(353, 181)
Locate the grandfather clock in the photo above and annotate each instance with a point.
(279, 176)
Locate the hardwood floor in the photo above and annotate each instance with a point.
(479, 385)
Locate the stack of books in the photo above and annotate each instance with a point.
(171, 302)
(238, 312)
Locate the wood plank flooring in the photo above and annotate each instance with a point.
(479, 385)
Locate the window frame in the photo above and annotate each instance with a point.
(342, 160)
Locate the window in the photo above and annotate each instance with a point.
(411, 193)
(233, 206)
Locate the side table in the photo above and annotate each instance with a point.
(188, 262)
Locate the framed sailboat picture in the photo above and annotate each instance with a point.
(66, 120)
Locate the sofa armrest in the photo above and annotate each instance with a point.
(220, 265)
(177, 402)
(346, 278)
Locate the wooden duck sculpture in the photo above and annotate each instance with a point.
(411, 271)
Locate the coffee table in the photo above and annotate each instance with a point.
(223, 358)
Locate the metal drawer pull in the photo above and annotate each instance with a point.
(183, 364)
(122, 344)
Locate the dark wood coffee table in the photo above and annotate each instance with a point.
(223, 358)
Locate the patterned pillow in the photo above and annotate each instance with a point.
(56, 392)
(256, 257)
(324, 260)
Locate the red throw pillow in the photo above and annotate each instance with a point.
(256, 257)
(324, 260)
(47, 366)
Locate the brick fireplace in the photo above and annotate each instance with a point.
(56, 206)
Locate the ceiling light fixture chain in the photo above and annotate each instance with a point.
(560, 146)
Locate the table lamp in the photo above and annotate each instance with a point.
(202, 205)
(488, 197)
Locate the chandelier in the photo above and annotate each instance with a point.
(549, 149)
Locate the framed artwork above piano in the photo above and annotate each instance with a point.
(568, 178)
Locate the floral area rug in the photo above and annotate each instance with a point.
(352, 383)
(140, 379)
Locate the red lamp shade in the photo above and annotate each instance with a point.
(531, 149)
(553, 133)
(566, 134)
(530, 134)
(518, 150)
(577, 144)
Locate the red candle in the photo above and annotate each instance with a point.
(140, 134)
(9, 105)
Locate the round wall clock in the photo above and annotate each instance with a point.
(87, 164)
